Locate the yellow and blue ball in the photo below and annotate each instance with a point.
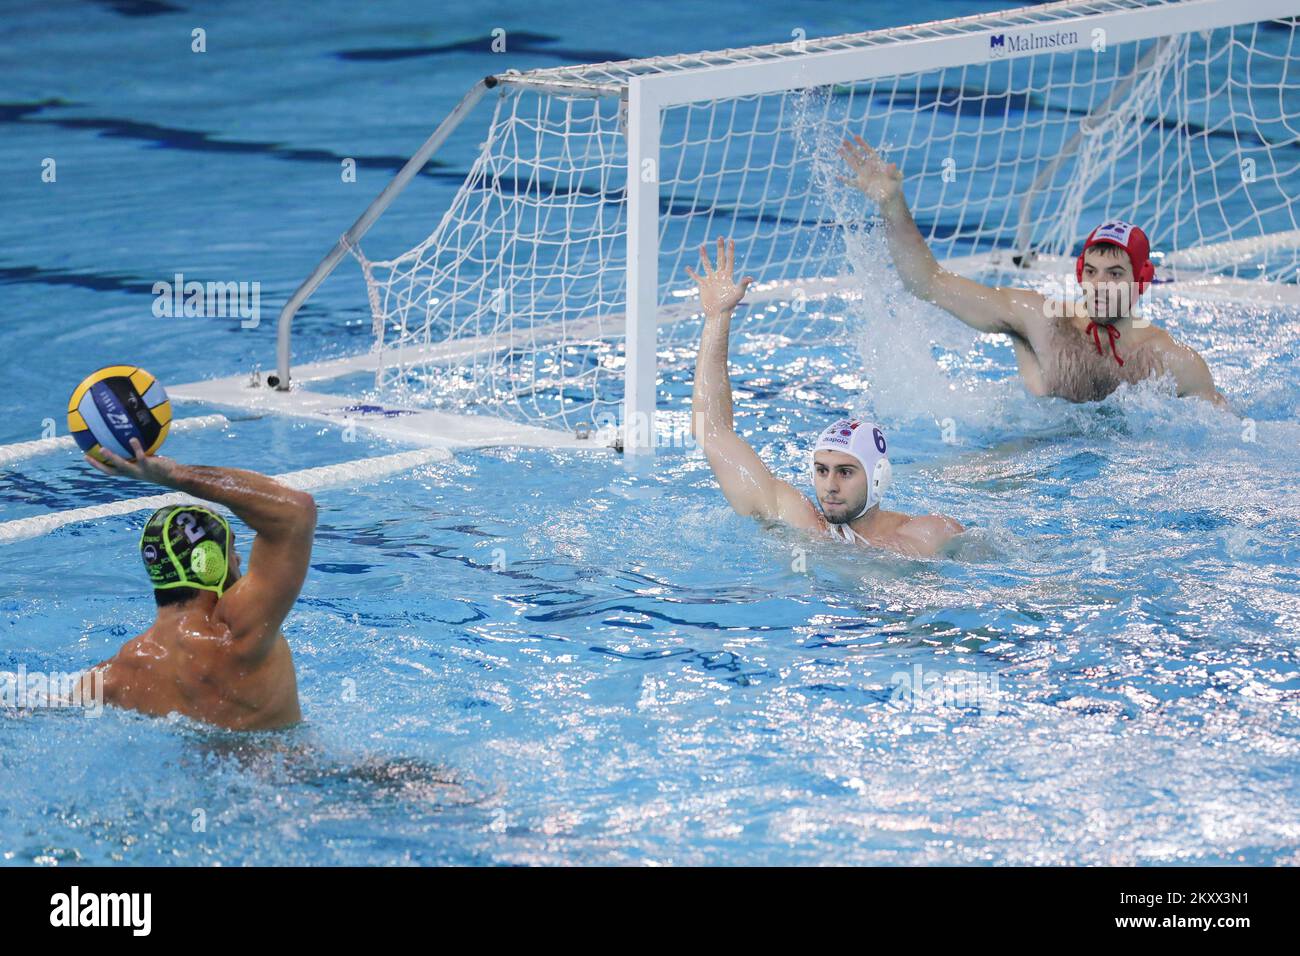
(116, 404)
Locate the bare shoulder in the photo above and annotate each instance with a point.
(930, 532)
(115, 676)
(933, 524)
(1177, 356)
(1186, 365)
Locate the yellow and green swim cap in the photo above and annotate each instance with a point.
(186, 546)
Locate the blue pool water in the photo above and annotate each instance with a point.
(534, 657)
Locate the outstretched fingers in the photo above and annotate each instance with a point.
(858, 153)
(725, 259)
(705, 265)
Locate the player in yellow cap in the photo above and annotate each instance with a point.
(215, 651)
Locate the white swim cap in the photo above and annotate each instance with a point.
(866, 442)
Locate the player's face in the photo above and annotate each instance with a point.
(1108, 286)
(841, 485)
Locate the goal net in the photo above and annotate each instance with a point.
(1016, 133)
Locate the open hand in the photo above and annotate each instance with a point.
(880, 181)
(144, 467)
(719, 293)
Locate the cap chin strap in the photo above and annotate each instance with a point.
(1111, 332)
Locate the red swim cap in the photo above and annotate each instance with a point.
(1132, 240)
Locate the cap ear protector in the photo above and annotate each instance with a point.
(881, 476)
(1145, 275)
(208, 562)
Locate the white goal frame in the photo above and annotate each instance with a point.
(649, 87)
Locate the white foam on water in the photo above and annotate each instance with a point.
(895, 333)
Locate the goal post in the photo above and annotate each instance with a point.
(552, 284)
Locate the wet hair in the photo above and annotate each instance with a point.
(169, 597)
(1110, 250)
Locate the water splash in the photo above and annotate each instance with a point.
(902, 343)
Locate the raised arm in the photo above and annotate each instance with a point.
(747, 483)
(284, 520)
(986, 308)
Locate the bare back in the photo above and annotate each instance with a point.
(217, 655)
(189, 663)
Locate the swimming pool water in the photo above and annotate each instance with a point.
(520, 656)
